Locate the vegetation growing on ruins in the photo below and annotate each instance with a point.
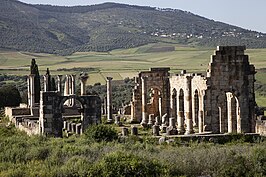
(21, 155)
(104, 27)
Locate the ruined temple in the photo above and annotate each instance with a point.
(223, 101)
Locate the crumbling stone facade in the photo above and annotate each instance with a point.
(48, 116)
(155, 85)
(223, 101)
(52, 107)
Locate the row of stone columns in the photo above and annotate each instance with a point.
(69, 88)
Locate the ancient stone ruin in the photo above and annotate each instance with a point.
(221, 102)
(51, 115)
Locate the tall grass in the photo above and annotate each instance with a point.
(21, 155)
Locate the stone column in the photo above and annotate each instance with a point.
(144, 101)
(238, 117)
(124, 131)
(83, 80)
(59, 86)
(188, 106)
(201, 111)
(45, 83)
(73, 89)
(200, 121)
(160, 107)
(151, 120)
(174, 104)
(78, 129)
(66, 88)
(229, 97)
(172, 122)
(156, 130)
(69, 89)
(29, 94)
(109, 100)
(32, 90)
(180, 122)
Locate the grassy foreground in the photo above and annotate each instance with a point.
(21, 155)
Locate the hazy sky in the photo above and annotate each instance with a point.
(249, 14)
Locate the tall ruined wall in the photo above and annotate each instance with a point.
(230, 96)
(50, 120)
(148, 84)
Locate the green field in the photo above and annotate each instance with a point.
(123, 63)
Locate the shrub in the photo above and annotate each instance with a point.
(101, 132)
(121, 164)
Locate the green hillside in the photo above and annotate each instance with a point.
(108, 26)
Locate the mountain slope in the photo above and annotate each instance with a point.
(103, 27)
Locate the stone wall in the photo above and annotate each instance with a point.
(151, 87)
(223, 101)
(15, 111)
(52, 107)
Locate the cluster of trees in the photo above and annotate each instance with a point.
(91, 155)
(9, 96)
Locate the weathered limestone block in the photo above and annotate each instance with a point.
(157, 120)
(124, 131)
(69, 127)
(151, 120)
(134, 130)
(73, 127)
(156, 130)
(65, 125)
(78, 129)
(117, 120)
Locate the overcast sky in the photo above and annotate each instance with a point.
(249, 14)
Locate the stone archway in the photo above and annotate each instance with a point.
(51, 108)
(154, 104)
(233, 113)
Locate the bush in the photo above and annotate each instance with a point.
(9, 96)
(121, 164)
(101, 132)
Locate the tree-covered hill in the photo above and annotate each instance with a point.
(103, 27)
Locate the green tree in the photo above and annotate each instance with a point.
(37, 84)
(9, 96)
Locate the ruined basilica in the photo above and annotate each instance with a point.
(223, 101)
